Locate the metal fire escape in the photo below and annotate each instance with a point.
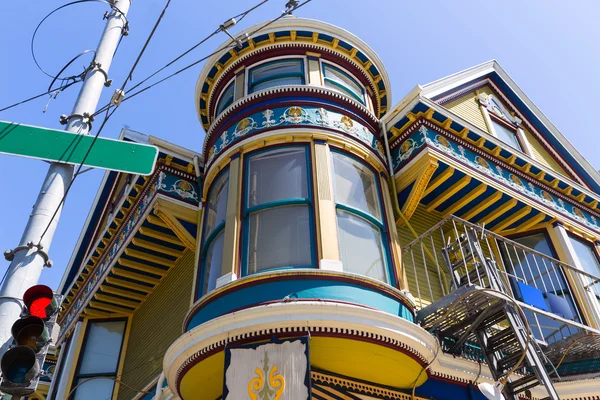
(479, 309)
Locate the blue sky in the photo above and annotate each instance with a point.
(550, 48)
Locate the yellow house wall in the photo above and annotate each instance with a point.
(421, 221)
(467, 106)
(155, 325)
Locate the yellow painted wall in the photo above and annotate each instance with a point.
(541, 155)
(156, 324)
(467, 106)
(421, 221)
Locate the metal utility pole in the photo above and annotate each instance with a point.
(30, 257)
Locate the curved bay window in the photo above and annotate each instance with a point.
(278, 210)
(342, 82)
(361, 230)
(276, 73)
(213, 236)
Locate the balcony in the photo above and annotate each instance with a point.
(492, 299)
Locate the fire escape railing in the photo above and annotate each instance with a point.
(454, 260)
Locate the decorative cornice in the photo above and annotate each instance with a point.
(294, 116)
(318, 90)
(405, 152)
(312, 47)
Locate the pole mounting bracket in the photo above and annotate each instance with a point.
(9, 254)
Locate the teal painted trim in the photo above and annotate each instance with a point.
(278, 203)
(253, 83)
(346, 90)
(225, 102)
(350, 77)
(291, 288)
(361, 214)
(212, 235)
(207, 239)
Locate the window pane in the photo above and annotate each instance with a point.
(349, 85)
(538, 272)
(587, 256)
(355, 185)
(216, 207)
(291, 80)
(277, 175)
(102, 348)
(279, 237)
(212, 263)
(226, 98)
(284, 72)
(95, 389)
(361, 247)
(506, 135)
(277, 68)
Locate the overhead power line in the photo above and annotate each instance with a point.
(292, 6)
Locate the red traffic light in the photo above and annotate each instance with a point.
(39, 300)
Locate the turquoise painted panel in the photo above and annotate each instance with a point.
(405, 151)
(297, 288)
(293, 116)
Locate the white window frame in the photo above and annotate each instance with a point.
(249, 68)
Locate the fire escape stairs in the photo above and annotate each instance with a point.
(470, 314)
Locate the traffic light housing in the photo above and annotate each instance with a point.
(32, 334)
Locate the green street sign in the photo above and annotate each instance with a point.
(71, 148)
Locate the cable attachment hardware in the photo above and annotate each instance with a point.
(228, 24)
(125, 29)
(290, 6)
(9, 254)
(86, 118)
(96, 66)
(117, 97)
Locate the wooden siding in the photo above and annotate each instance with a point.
(157, 324)
(467, 107)
(421, 221)
(541, 155)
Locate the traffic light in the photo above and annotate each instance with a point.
(32, 334)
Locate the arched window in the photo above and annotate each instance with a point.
(342, 82)
(214, 232)
(278, 210)
(361, 230)
(276, 73)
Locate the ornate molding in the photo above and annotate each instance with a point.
(166, 180)
(281, 117)
(428, 134)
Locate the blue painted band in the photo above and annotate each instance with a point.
(297, 287)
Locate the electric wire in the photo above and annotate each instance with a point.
(32, 42)
(231, 44)
(103, 124)
(52, 92)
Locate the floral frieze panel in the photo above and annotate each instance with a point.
(405, 151)
(287, 116)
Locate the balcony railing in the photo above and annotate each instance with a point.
(551, 293)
